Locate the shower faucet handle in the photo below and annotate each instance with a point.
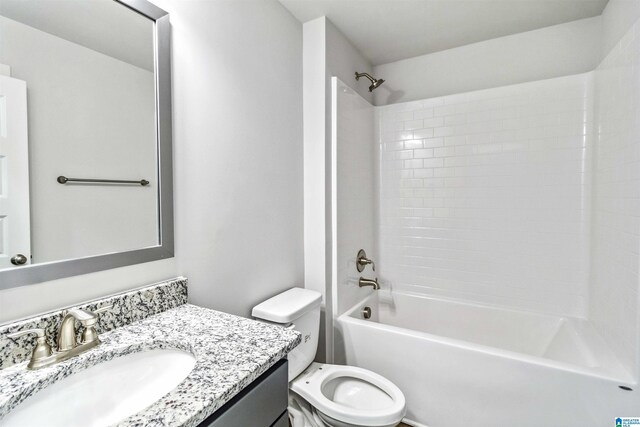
(362, 261)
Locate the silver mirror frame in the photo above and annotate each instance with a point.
(37, 273)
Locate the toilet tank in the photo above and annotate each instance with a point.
(299, 309)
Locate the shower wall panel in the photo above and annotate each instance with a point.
(352, 191)
(485, 196)
(614, 293)
(352, 195)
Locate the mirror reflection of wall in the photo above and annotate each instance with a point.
(89, 75)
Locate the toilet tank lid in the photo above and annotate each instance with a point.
(287, 306)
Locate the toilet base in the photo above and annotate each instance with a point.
(331, 422)
(302, 414)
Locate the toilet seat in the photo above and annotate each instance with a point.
(351, 395)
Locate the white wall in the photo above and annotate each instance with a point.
(237, 79)
(90, 115)
(315, 153)
(352, 198)
(615, 294)
(535, 55)
(25, 301)
(343, 60)
(485, 195)
(317, 208)
(237, 102)
(327, 53)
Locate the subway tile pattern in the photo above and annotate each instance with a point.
(485, 196)
(127, 308)
(614, 295)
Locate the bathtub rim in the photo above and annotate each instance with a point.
(623, 377)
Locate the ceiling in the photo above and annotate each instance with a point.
(389, 30)
(101, 25)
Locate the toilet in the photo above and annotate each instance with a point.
(324, 395)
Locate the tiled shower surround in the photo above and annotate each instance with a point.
(526, 196)
(614, 296)
(485, 196)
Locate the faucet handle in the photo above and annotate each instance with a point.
(86, 317)
(103, 309)
(42, 349)
(90, 334)
(39, 333)
(362, 261)
(80, 315)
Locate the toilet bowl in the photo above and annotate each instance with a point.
(347, 396)
(323, 395)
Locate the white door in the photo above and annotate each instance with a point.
(15, 234)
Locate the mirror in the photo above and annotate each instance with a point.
(85, 137)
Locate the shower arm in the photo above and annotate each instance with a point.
(367, 75)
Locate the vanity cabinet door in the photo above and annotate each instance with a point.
(263, 403)
(283, 421)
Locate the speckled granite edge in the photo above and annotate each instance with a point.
(128, 307)
(230, 351)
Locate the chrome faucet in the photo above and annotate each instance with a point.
(67, 344)
(369, 282)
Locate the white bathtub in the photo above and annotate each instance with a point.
(464, 364)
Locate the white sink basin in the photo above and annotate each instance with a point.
(106, 393)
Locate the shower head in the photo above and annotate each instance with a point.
(375, 83)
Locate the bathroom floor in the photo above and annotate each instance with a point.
(399, 425)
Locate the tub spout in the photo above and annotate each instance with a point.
(368, 282)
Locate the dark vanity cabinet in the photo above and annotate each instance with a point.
(263, 403)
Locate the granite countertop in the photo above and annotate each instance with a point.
(230, 351)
